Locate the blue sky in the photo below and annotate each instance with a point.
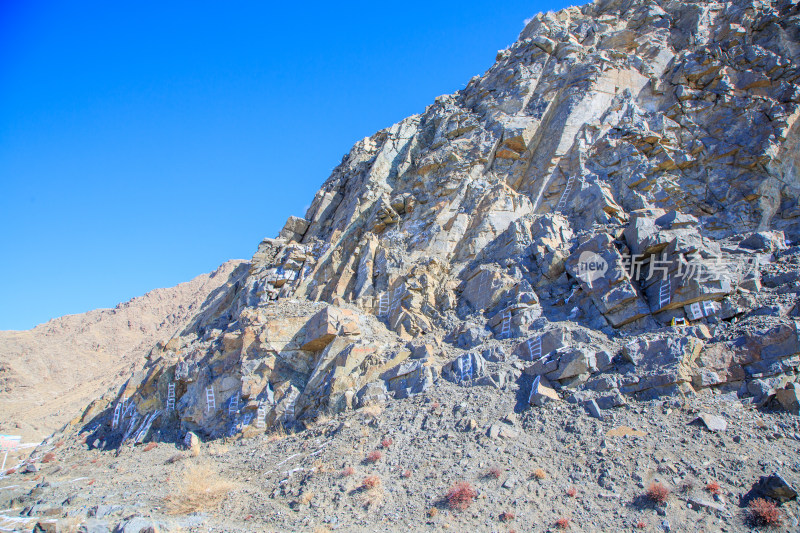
(142, 144)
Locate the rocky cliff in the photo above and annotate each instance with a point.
(608, 213)
(49, 373)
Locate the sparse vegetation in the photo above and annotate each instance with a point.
(460, 496)
(387, 442)
(306, 498)
(713, 487)
(507, 516)
(641, 524)
(201, 490)
(433, 511)
(348, 471)
(572, 492)
(657, 493)
(765, 513)
(374, 456)
(49, 457)
(539, 473)
(562, 523)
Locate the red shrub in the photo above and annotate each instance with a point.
(641, 524)
(460, 495)
(387, 442)
(494, 472)
(507, 516)
(49, 457)
(149, 447)
(571, 492)
(765, 513)
(658, 493)
(374, 457)
(371, 482)
(713, 487)
(562, 523)
(348, 471)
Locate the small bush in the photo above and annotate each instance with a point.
(387, 442)
(371, 482)
(562, 523)
(433, 511)
(658, 493)
(641, 524)
(406, 474)
(348, 471)
(49, 457)
(713, 487)
(539, 473)
(765, 513)
(149, 447)
(507, 516)
(494, 473)
(374, 456)
(306, 498)
(460, 495)
(571, 492)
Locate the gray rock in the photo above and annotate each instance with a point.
(775, 487)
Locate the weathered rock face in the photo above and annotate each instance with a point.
(620, 181)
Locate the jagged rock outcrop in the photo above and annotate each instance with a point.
(614, 201)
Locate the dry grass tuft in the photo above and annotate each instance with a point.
(374, 456)
(460, 495)
(201, 490)
(657, 493)
(372, 411)
(765, 513)
(175, 458)
(348, 471)
(306, 497)
(539, 473)
(433, 511)
(713, 488)
(278, 432)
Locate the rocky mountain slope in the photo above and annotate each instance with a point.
(49, 373)
(602, 224)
